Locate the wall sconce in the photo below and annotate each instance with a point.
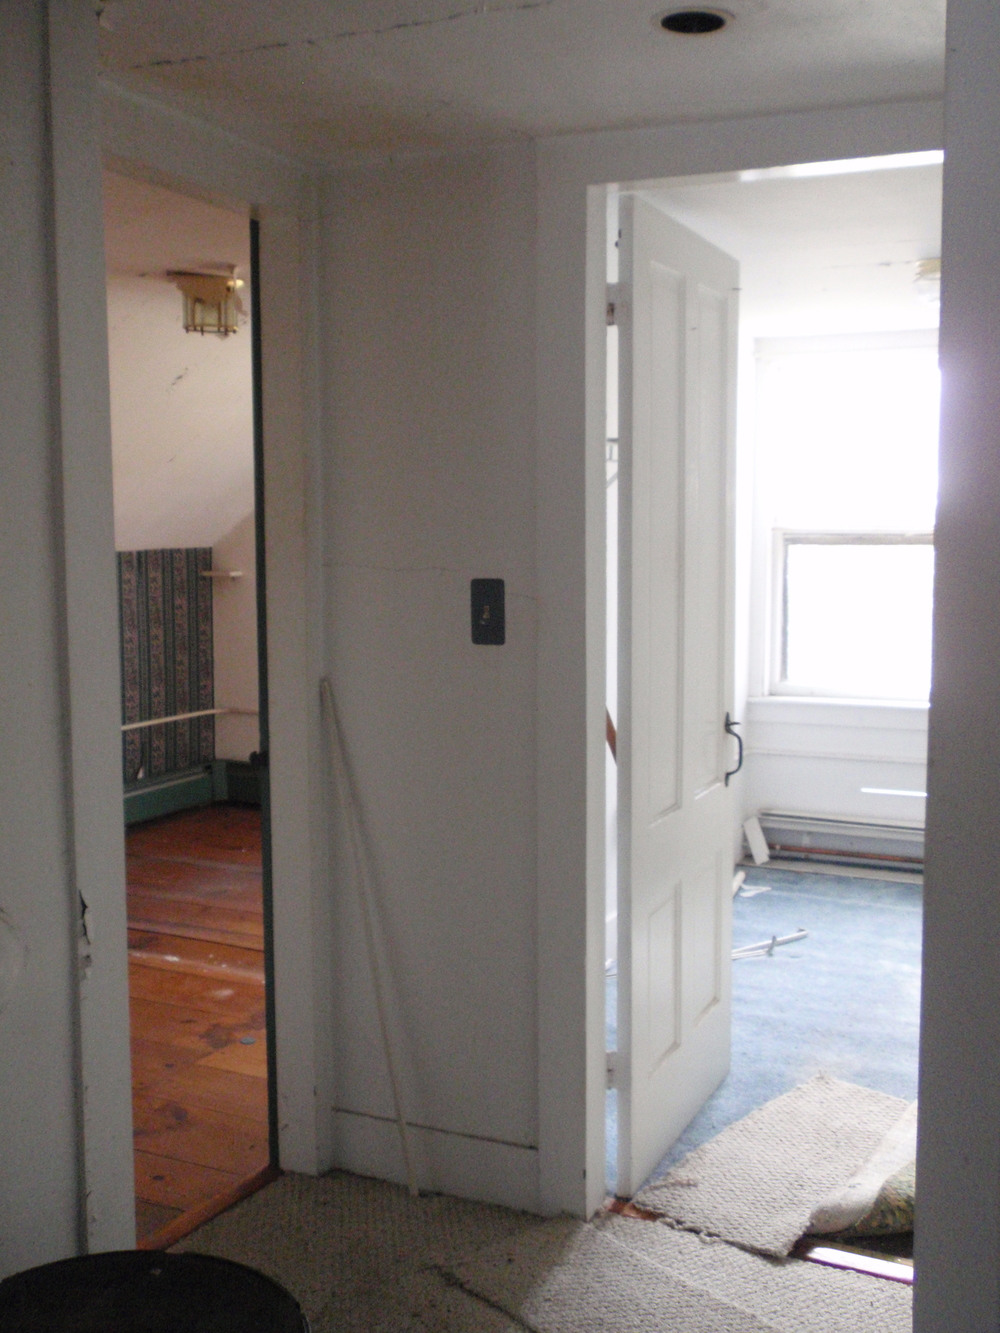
(211, 304)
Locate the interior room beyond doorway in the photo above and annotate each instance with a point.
(194, 775)
(839, 277)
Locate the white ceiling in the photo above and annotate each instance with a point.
(339, 80)
(823, 253)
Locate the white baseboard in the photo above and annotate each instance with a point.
(446, 1163)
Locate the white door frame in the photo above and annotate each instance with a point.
(142, 139)
(573, 172)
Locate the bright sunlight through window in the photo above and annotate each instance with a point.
(848, 439)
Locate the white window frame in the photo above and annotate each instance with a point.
(766, 600)
(781, 539)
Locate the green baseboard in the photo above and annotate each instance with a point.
(221, 780)
(180, 791)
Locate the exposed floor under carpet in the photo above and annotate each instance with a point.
(361, 1255)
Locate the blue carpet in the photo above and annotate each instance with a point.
(845, 1000)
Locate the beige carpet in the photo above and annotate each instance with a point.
(756, 1184)
(569, 1277)
(619, 1275)
(361, 1256)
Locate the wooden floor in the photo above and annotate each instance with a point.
(196, 984)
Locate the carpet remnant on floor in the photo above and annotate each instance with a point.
(756, 1184)
(361, 1256)
(787, 1294)
(620, 1275)
(568, 1277)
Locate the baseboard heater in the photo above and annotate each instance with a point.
(803, 837)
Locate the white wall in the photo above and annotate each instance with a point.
(65, 1127)
(428, 302)
(181, 420)
(39, 1204)
(958, 1235)
(234, 632)
(815, 756)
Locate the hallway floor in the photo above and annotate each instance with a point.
(196, 986)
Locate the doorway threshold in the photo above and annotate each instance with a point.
(192, 1218)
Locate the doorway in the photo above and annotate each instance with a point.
(838, 261)
(187, 480)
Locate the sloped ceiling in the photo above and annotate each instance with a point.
(334, 81)
(181, 411)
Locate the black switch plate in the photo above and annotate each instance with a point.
(488, 619)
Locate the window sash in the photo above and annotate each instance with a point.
(784, 540)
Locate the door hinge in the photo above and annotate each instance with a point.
(611, 1068)
(612, 299)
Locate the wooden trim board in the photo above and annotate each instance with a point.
(192, 1218)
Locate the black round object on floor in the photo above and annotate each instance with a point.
(146, 1291)
(693, 21)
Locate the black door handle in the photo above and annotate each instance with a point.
(731, 731)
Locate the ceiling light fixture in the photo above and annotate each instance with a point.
(694, 22)
(927, 280)
(210, 301)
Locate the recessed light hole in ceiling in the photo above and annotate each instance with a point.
(693, 22)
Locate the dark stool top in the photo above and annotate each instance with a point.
(146, 1291)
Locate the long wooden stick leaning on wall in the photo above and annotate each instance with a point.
(369, 914)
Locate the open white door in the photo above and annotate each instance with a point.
(676, 310)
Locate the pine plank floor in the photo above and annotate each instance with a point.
(196, 989)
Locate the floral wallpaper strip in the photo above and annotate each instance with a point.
(165, 617)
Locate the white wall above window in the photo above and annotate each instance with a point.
(847, 431)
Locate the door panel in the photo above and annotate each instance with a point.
(677, 318)
(701, 943)
(664, 500)
(663, 975)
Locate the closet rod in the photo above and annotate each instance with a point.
(186, 717)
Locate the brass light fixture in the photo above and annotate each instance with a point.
(927, 280)
(211, 303)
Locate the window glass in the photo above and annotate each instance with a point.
(858, 619)
(848, 445)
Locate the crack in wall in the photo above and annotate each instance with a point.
(472, 11)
